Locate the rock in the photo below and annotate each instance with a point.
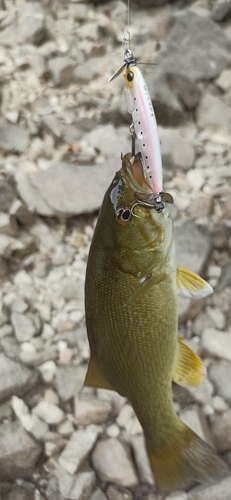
(83, 485)
(221, 10)
(194, 418)
(53, 126)
(98, 495)
(202, 322)
(13, 138)
(8, 224)
(168, 108)
(32, 198)
(187, 92)
(206, 45)
(90, 410)
(220, 375)
(49, 412)
(23, 326)
(203, 392)
(66, 428)
(214, 114)
(7, 195)
(66, 189)
(141, 459)
(69, 380)
(221, 431)
(77, 449)
(224, 80)
(39, 66)
(112, 462)
(62, 70)
(217, 343)
(15, 378)
(47, 370)
(19, 452)
(109, 141)
(217, 317)
(219, 404)
(202, 206)
(86, 71)
(177, 152)
(192, 251)
(152, 3)
(178, 495)
(220, 491)
(118, 493)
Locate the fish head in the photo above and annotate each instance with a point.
(140, 222)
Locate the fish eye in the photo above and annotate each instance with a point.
(130, 76)
(124, 216)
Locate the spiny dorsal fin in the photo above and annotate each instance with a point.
(190, 285)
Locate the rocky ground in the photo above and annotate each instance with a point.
(62, 129)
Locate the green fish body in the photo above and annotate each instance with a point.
(131, 318)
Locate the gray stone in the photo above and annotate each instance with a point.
(221, 10)
(206, 46)
(220, 491)
(69, 380)
(220, 375)
(109, 141)
(66, 190)
(19, 453)
(83, 485)
(53, 126)
(203, 392)
(15, 378)
(77, 449)
(7, 195)
(62, 70)
(201, 322)
(98, 495)
(32, 198)
(221, 431)
(112, 461)
(224, 80)
(168, 109)
(23, 326)
(90, 410)
(39, 66)
(119, 493)
(87, 71)
(13, 138)
(194, 418)
(141, 459)
(217, 343)
(8, 224)
(192, 247)
(214, 114)
(177, 152)
(49, 412)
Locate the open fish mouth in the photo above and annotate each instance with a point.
(134, 170)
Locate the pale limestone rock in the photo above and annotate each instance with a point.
(49, 412)
(78, 447)
(112, 461)
(217, 343)
(90, 410)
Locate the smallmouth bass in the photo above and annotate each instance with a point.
(131, 316)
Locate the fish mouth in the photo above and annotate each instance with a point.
(133, 168)
(134, 171)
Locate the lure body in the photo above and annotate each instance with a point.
(139, 105)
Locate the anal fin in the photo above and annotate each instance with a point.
(190, 285)
(189, 369)
(94, 377)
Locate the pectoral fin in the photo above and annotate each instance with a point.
(190, 285)
(189, 368)
(94, 377)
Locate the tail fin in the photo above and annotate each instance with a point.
(184, 461)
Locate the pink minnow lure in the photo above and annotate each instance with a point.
(139, 105)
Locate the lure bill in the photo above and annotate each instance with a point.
(144, 125)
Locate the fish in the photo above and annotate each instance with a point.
(131, 289)
(144, 125)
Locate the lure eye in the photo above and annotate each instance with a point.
(130, 76)
(124, 216)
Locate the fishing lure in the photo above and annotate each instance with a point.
(144, 126)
